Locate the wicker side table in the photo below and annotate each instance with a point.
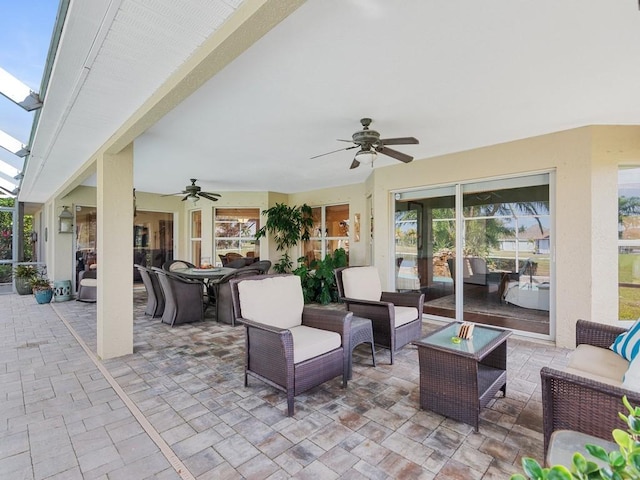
(361, 332)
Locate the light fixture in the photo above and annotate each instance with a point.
(12, 145)
(18, 92)
(65, 221)
(366, 156)
(193, 198)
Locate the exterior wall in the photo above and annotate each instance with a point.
(585, 162)
(355, 197)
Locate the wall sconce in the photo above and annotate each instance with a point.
(65, 221)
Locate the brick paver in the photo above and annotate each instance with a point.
(60, 418)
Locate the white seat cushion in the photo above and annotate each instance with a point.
(310, 342)
(600, 364)
(275, 301)
(362, 283)
(89, 282)
(405, 315)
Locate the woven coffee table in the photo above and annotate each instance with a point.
(458, 379)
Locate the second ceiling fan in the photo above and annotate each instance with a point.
(371, 144)
(193, 193)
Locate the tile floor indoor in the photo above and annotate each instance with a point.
(61, 418)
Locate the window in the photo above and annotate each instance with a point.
(330, 231)
(196, 236)
(235, 231)
(629, 243)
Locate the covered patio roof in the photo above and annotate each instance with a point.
(282, 80)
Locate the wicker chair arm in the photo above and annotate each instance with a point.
(572, 402)
(333, 320)
(404, 299)
(262, 326)
(597, 334)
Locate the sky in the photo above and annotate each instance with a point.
(25, 33)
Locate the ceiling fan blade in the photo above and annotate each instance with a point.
(208, 197)
(339, 150)
(211, 193)
(354, 164)
(171, 194)
(185, 197)
(342, 140)
(403, 157)
(399, 141)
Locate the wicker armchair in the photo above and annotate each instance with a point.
(396, 317)
(289, 346)
(574, 402)
(183, 298)
(155, 297)
(171, 265)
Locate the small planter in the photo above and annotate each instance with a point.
(23, 286)
(43, 296)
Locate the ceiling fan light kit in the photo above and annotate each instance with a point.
(371, 144)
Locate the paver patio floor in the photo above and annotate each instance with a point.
(61, 418)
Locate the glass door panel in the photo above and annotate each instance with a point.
(425, 241)
(506, 254)
(152, 240)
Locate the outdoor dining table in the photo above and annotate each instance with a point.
(208, 276)
(203, 273)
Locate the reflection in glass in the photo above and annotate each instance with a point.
(629, 243)
(504, 276)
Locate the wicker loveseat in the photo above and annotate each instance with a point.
(587, 396)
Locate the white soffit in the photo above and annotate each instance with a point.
(457, 75)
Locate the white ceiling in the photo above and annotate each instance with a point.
(456, 74)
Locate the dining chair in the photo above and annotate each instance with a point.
(183, 298)
(155, 297)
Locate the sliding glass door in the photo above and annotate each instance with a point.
(479, 251)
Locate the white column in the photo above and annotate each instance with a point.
(115, 253)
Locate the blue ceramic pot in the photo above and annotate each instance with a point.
(43, 296)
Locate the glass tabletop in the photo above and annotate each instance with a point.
(482, 336)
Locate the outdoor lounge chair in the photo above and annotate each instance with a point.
(88, 286)
(396, 317)
(183, 298)
(288, 345)
(155, 297)
(587, 396)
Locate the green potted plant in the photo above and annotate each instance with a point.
(23, 275)
(288, 225)
(618, 464)
(42, 289)
(318, 280)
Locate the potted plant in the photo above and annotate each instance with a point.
(621, 464)
(288, 225)
(42, 289)
(23, 274)
(318, 280)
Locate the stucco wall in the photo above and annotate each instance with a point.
(354, 196)
(585, 162)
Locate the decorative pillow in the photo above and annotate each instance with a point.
(627, 344)
(632, 376)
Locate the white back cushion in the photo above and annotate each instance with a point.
(362, 283)
(275, 301)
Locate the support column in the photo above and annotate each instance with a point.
(115, 254)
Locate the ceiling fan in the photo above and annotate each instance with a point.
(193, 193)
(371, 144)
